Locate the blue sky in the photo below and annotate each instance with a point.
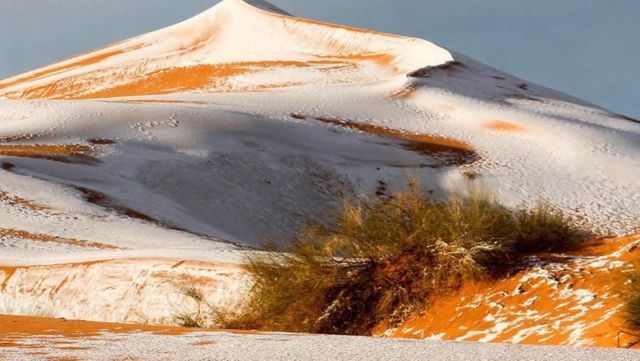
(587, 48)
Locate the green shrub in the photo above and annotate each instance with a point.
(386, 260)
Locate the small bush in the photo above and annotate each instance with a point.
(631, 299)
(545, 228)
(192, 317)
(384, 261)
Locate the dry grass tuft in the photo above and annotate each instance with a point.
(631, 298)
(546, 228)
(384, 261)
(193, 317)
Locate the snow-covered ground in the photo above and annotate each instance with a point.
(47, 339)
(228, 347)
(244, 124)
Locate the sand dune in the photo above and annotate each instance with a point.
(172, 154)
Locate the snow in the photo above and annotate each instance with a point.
(144, 290)
(228, 346)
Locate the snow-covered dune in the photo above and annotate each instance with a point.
(244, 124)
(236, 45)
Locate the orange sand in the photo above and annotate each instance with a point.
(533, 311)
(405, 92)
(419, 143)
(36, 326)
(16, 201)
(503, 126)
(56, 69)
(15, 233)
(210, 77)
(68, 153)
(207, 77)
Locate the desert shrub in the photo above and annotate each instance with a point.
(630, 294)
(196, 308)
(545, 228)
(631, 298)
(385, 260)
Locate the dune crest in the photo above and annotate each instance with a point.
(219, 46)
